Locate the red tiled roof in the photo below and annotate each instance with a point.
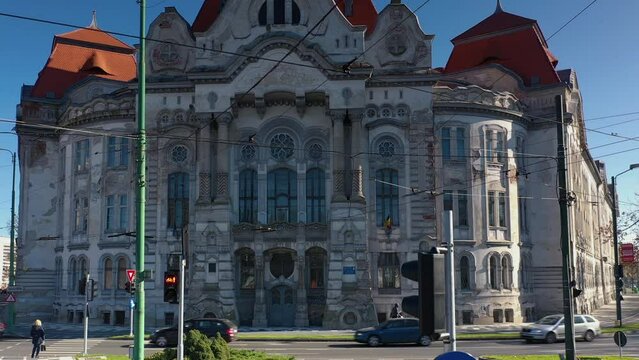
(498, 21)
(364, 13)
(512, 41)
(206, 16)
(83, 53)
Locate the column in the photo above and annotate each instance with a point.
(222, 176)
(204, 164)
(358, 154)
(301, 316)
(338, 155)
(259, 309)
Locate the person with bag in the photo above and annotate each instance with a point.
(37, 338)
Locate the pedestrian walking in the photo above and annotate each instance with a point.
(395, 312)
(37, 338)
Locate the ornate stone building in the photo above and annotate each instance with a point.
(304, 159)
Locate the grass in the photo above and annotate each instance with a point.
(257, 355)
(107, 357)
(553, 357)
(489, 336)
(626, 328)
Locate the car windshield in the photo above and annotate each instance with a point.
(548, 320)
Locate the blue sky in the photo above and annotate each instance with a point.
(600, 45)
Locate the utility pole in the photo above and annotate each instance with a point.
(618, 321)
(565, 240)
(138, 340)
(450, 281)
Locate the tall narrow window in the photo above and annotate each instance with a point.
(523, 227)
(178, 200)
(248, 196)
(110, 212)
(122, 277)
(316, 268)
(464, 273)
(388, 271)
(83, 270)
(491, 208)
(282, 196)
(387, 197)
(462, 208)
(279, 12)
(73, 275)
(490, 145)
(315, 196)
(502, 209)
(446, 143)
(81, 156)
(506, 273)
(501, 148)
(494, 276)
(520, 151)
(108, 273)
(81, 214)
(123, 212)
(247, 269)
(461, 143)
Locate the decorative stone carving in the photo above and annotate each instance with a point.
(476, 95)
(205, 187)
(338, 180)
(222, 184)
(396, 43)
(357, 182)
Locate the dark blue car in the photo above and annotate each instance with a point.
(392, 332)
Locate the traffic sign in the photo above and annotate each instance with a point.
(132, 303)
(628, 253)
(11, 298)
(130, 273)
(620, 338)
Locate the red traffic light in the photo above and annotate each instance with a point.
(170, 279)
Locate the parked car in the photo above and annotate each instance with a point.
(392, 331)
(551, 329)
(208, 326)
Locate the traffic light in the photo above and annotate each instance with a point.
(93, 290)
(430, 303)
(171, 287)
(127, 287)
(575, 291)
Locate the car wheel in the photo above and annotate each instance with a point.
(161, 341)
(424, 340)
(551, 338)
(373, 341)
(589, 336)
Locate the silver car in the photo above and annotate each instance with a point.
(551, 329)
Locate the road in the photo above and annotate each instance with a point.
(11, 349)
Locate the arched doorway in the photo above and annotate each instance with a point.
(245, 270)
(282, 306)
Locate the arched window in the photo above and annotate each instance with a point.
(388, 271)
(387, 197)
(464, 273)
(315, 196)
(123, 263)
(494, 272)
(178, 200)
(279, 10)
(248, 196)
(316, 268)
(282, 196)
(73, 275)
(506, 273)
(108, 273)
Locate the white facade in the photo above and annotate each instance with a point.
(297, 189)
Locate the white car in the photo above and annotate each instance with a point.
(551, 328)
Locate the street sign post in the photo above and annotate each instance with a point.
(620, 339)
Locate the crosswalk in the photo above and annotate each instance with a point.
(64, 349)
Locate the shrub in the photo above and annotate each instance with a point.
(197, 346)
(167, 354)
(220, 348)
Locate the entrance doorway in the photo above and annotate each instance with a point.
(282, 306)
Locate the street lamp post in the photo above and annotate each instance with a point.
(615, 209)
(12, 277)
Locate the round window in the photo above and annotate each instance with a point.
(401, 112)
(386, 113)
(282, 147)
(282, 264)
(371, 113)
(248, 152)
(179, 154)
(179, 117)
(386, 148)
